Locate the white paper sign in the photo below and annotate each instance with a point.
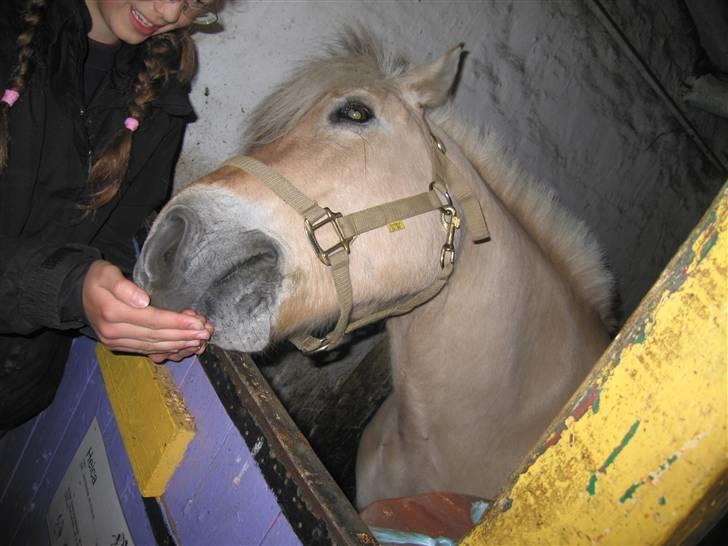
(85, 510)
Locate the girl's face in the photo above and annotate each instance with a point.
(133, 21)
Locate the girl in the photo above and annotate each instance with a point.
(91, 122)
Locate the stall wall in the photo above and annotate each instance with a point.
(562, 92)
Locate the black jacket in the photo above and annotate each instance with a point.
(46, 246)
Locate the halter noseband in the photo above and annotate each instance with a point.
(447, 185)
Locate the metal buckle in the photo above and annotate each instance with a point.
(444, 192)
(438, 144)
(323, 346)
(328, 218)
(451, 222)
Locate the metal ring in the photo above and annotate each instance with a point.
(438, 144)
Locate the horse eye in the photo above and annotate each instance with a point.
(353, 111)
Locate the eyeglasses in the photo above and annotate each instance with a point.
(201, 12)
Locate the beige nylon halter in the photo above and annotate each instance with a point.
(447, 183)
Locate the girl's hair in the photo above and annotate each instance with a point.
(165, 56)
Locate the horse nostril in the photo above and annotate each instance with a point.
(169, 254)
(164, 252)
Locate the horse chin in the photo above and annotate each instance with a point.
(241, 306)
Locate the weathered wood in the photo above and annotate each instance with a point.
(218, 494)
(314, 505)
(35, 456)
(151, 415)
(638, 456)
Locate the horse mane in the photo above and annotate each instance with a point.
(357, 59)
(565, 239)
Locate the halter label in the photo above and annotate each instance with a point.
(397, 225)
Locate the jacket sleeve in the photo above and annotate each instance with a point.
(40, 284)
(148, 191)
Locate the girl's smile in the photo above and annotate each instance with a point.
(141, 23)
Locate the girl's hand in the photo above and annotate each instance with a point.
(120, 314)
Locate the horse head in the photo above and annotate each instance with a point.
(347, 134)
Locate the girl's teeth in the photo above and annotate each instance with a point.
(139, 17)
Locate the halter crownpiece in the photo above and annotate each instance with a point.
(447, 185)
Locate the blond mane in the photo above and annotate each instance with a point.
(565, 239)
(357, 59)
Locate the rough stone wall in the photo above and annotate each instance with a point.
(547, 77)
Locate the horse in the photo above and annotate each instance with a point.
(496, 298)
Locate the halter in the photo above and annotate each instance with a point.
(447, 184)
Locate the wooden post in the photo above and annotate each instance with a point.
(640, 454)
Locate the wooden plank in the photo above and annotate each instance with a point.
(154, 423)
(124, 480)
(640, 454)
(213, 427)
(235, 505)
(178, 371)
(217, 495)
(315, 507)
(20, 440)
(280, 533)
(50, 428)
(32, 528)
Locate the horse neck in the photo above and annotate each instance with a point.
(507, 329)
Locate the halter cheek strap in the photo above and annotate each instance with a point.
(447, 182)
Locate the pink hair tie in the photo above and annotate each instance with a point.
(10, 96)
(131, 124)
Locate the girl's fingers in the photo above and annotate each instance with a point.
(159, 319)
(127, 345)
(161, 358)
(115, 332)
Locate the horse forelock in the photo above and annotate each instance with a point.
(564, 238)
(354, 59)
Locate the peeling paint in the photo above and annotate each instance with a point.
(239, 476)
(708, 246)
(613, 455)
(654, 476)
(627, 495)
(257, 447)
(589, 399)
(595, 404)
(592, 485)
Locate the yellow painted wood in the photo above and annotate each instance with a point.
(640, 454)
(154, 423)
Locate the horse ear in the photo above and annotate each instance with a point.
(428, 84)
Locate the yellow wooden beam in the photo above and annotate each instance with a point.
(153, 421)
(640, 454)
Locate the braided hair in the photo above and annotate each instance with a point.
(164, 56)
(32, 17)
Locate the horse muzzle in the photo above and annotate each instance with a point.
(219, 267)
